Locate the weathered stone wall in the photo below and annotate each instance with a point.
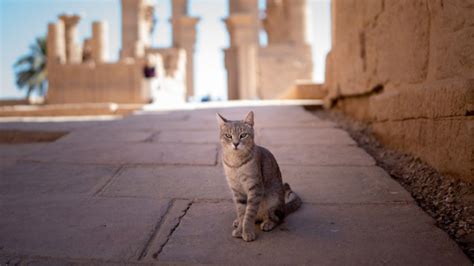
(77, 83)
(407, 67)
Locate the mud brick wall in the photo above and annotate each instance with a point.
(407, 68)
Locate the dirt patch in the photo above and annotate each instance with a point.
(23, 136)
(449, 201)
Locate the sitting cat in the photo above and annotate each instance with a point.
(254, 178)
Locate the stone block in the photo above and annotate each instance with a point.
(129, 153)
(98, 228)
(451, 50)
(26, 179)
(321, 155)
(182, 182)
(18, 151)
(6, 163)
(437, 99)
(305, 90)
(311, 136)
(392, 52)
(100, 136)
(188, 136)
(343, 185)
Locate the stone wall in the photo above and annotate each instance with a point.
(117, 82)
(407, 68)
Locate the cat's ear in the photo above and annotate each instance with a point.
(220, 119)
(249, 118)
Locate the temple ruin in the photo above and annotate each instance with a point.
(255, 71)
(82, 73)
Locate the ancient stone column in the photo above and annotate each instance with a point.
(73, 51)
(99, 42)
(137, 22)
(87, 50)
(241, 56)
(297, 20)
(243, 25)
(276, 22)
(179, 8)
(184, 36)
(249, 8)
(55, 43)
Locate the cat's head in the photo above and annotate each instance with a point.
(236, 136)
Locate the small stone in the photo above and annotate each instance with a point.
(460, 232)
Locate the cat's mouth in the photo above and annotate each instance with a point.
(235, 146)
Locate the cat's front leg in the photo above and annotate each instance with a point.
(254, 196)
(240, 200)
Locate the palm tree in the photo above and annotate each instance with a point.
(31, 69)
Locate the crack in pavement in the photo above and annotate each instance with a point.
(109, 181)
(154, 233)
(185, 211)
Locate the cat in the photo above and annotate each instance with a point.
(254, 177)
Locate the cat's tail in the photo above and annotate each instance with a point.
(292, 201)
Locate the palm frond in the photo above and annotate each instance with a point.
(26, 59)
(31, 68)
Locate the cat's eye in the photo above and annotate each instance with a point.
(229, 136)
(244, 135)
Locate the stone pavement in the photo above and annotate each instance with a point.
(150, 189)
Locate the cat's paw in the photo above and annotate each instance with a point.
(237, 233)
(267, 225)
(249, 236)
(235, 224)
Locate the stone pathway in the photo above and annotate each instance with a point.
(150, 189)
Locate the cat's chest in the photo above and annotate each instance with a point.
(236, 176)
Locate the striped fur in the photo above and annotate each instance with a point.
(254, 178)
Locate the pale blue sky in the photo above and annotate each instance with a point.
(21, 21)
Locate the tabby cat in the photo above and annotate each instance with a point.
(254, 177)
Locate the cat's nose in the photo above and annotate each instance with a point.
(235, 145)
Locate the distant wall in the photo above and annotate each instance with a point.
(407, 68)
(279, 66)
(118, 82)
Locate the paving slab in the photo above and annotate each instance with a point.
(182, 182)
(51, 126)
(147, 125)
(344, 184)
(315, 235)
(187, 136)
(18, 151)
(97, 136)
(328, 155)
(6, 163)
(97, 228)
(152, 121)
(128, 153)
(28, 179)
(312, 136)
